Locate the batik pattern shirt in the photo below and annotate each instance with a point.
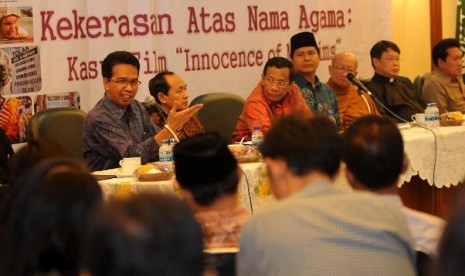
(259, 111)
(191, 128)
(320, 99)
(221, 228)
(111, 133)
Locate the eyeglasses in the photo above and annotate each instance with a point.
(133, 83)
(344, 69)
(392, 59)
(280, 84)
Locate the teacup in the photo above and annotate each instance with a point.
(419, 119)
(129, 165)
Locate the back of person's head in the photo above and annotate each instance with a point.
(147, 234)
(305, 144)
(118, 57)
(280, 62)
(51, 207)
(440, 49)
(206, 167)
(380, 47)
(159, 84)
(373, 151)
(32, 153)
(451, 248)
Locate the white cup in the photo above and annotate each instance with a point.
(129, 165)
(419, 119)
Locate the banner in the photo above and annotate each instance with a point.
(56, 48)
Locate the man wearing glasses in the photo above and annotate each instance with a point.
(119, 125)
(395, 92)
(305, 56)
(275, 95)
(353, 103)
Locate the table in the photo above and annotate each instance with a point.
(436, 168)
(440, 161)
(448, 170)
(254, 192)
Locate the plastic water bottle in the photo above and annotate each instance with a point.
(432, 116)
(173, 142)
(257, 137)
(165, 152)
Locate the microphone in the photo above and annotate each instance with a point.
(151, 102)
(360, 85)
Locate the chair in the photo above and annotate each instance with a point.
(64, 125)
(424, 262)
(219, 112)
(419, 81)
(222, 260)
(365, 80)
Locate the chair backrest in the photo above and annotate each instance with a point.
(64, 125)
(219, 112)
(419, 81)
(222, 260)
(424, 262)
(364, 80)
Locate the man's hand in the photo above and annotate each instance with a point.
(176, 119)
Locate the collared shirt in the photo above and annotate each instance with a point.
(447, 92)
(111, 133)
(398, 95)
(426, 229)
(326, 230)
(320, 99)
(258, 111)
(351, 105)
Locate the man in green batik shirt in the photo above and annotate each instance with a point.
(319, 96)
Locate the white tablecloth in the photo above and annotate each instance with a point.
(254, 192)
(443, 158)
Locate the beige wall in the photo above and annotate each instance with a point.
(411, 31)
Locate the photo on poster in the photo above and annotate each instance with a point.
(67, 99)
(16, 22)
(20, 70)
(15, 114)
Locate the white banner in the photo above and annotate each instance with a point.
(216, 46)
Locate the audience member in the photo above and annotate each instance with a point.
(373, 151)
(167, 88)
(275, 95)
(395, 92)
(119, 125)
(147, 234)
(9, 24)
(353, 103)
(445, 86)
(51, 207)
(32, 153)
(208, 175)
(316, 228)
(305, 55)
(451, 253)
